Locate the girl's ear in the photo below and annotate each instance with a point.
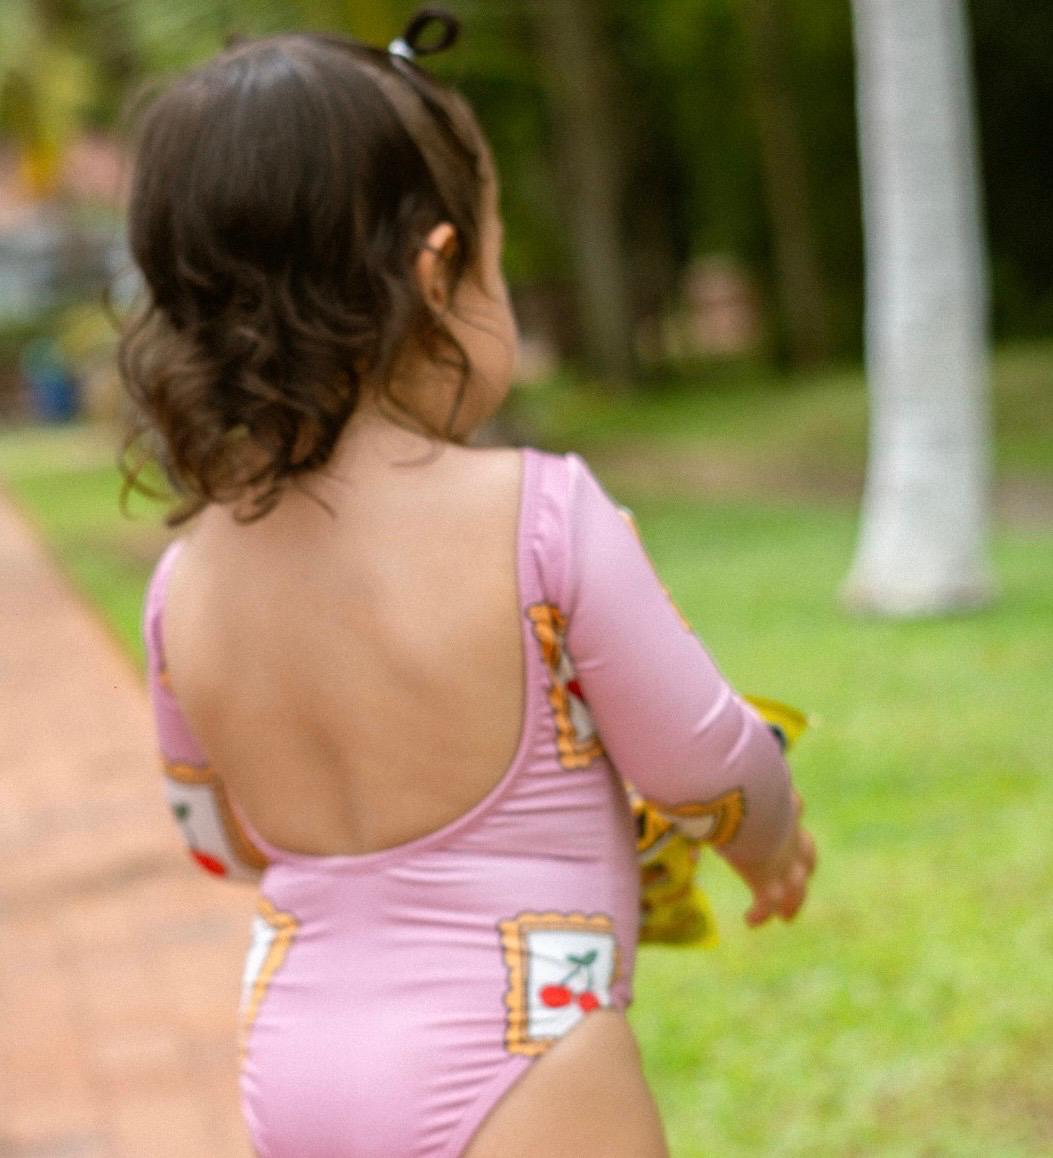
(432, 266)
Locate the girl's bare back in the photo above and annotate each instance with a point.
(358, 656)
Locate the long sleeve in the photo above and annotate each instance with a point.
(669, 721)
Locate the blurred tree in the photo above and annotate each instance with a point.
(169, 34)
(922, 547)
(786, 179)
(692, 179)
(736, 112)
(46, 86)
(682, 88)
(1013, 39)
(584, 95)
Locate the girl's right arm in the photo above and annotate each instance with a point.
(208, 823)
(669, 721)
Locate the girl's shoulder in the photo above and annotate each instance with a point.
(476, 480)
(561, 481)
(567, 466)
(545, 479)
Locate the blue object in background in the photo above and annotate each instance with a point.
(54, 394)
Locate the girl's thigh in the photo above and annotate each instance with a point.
(585, 1098)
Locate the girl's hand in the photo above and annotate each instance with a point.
(780, 885)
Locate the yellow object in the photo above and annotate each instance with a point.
(673, 908)
(788, 720)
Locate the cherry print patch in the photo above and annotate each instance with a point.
(204, 814)
(273, 932)
(576, 737)
(560, 967)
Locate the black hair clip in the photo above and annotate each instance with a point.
(415, 40)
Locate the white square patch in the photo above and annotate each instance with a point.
(561, 966)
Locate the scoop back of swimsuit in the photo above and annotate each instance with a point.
(390, 999)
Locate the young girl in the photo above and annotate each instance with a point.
(399, 679)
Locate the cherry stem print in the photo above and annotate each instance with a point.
(560, 994)
(181, 810)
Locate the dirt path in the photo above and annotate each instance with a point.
(119, 965)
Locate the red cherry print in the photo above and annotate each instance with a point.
(209, 863)
(556, 995)
(575, 689)
(588, 1001)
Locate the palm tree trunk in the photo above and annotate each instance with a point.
(923, 542)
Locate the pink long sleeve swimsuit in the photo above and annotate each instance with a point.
(390, 999)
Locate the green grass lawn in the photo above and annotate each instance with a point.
(908, 1011)
(811, 423)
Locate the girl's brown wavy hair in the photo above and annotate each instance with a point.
(280, 195)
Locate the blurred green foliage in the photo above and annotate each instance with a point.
(685, 106)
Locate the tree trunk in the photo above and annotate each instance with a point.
(589, 157)
(923, 542)
(802, 299)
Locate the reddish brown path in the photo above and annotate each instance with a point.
(119, 963)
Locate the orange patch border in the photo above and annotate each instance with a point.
(244, 849)
(728, 809)
(549, 625)
(514, 931)
(285, 927)
(657, 827)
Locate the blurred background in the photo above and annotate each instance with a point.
(722, 131)
(685, 249)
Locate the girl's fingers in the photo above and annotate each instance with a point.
(757, 916)
(785, 895)
(795, 893)
(766, 901)
(802, 870)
